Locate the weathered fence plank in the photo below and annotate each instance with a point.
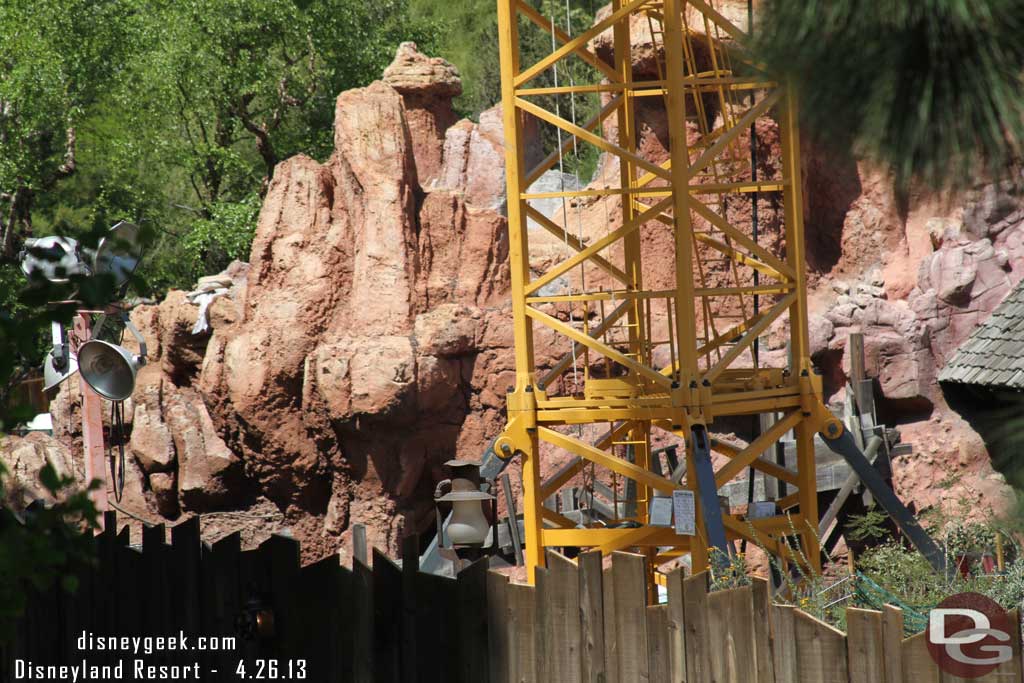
(695, 600)
(542, 645)
(918, 666)
(387, 619)
(630, 576)
(761, 597)
(892, 643)
(498, 631)
(410, 568)
(362, 622)
(677, 626)
(436, 628)
(784, 643)
(471, 591)
(522, 623)
(864, 646)
(658, 648)
(592, 641)
(731, 635)
(820, 651)
(319, 603)
(611, 642)
(561, 611)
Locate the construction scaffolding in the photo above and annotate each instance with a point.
(643, 360)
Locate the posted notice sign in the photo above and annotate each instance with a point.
(684, 512)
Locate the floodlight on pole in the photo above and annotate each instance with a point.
(60, 363)
(118, 253)
(53, 258)
(109, 369)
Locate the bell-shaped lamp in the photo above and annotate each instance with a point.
(108, 369)
(468, 525)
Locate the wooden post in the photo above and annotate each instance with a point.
(855, 347)
(92, 427)
(865, 649)
(892, 643)
(592, 638)
(629, 573)
(359, 542)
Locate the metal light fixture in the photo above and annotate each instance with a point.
(256, 619)
(60, 363)
(106, 368)
(54, 258)
(468, 527)
(118, 253)
(110, 369)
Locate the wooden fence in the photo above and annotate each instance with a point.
(585, 623)
(580, 623)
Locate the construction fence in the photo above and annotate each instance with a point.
(257, 614)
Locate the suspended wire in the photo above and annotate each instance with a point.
(561, 185)
(117, 464)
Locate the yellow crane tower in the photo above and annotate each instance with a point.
(645, 359)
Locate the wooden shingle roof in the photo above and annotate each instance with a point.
(993, 356)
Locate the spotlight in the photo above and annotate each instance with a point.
(52, 258)
(60, 363)
(118, 253)
(110, 369)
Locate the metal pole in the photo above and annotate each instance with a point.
(92, 428)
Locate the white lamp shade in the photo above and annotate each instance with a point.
(468, 525)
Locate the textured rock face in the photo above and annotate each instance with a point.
(24, 457)
(427, 86)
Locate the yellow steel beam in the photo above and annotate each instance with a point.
(574, 242)
(587, 136)
(748, 338)
(584, 255)
(623, 467)
(574, 45)
(555, 483)
(719, 20)
(551, 159)
(594, 345)
(743, 240)
(744, 458)
(740, 127)
(561, 521)
(737, 256)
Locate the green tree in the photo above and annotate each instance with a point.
(57, 59)
(931, 88)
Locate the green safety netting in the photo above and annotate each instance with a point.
(869, 593)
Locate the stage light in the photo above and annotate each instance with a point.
(60, 363)
(118, 253)
(110, 369)
(52, 258)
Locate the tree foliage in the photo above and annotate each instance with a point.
(930, 88)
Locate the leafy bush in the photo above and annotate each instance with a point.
(43, 544)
